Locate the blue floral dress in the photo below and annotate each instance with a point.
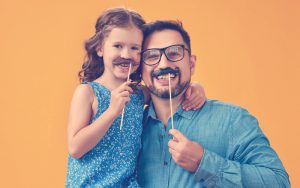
(112, 162)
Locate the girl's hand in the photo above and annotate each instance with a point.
(194, 97)
(119, 98)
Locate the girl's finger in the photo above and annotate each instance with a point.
(188, 92)
(191, 103)
(124, 94)
(196, 107)
(126, 100)
(128, 88)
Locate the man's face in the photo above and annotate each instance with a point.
(156, 77)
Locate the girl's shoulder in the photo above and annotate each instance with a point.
(84, 91)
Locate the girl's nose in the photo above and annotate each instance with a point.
(126, 53)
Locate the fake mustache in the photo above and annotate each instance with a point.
(165, 71)
(119, 61)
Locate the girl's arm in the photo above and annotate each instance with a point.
(194, 97)
(82, 137)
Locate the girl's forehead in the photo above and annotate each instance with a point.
(126, 34)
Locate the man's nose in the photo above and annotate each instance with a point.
(164, 62)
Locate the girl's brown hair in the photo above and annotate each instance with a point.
(93, 66)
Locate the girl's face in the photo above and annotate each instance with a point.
(120, 48)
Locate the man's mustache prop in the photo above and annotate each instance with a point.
(165, 71)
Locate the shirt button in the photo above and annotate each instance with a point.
(165, 163)
(211, 184)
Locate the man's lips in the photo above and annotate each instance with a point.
(166, 76)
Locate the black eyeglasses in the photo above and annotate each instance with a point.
(173, 53)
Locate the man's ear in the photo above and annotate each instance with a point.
(193, 60)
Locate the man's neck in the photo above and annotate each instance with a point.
(162, 107)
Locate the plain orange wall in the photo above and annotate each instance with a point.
(248, 54)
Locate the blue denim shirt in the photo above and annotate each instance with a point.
(236, 152)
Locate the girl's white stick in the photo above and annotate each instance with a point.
(171, 106)
(122, 118)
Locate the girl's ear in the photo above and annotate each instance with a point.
(99, 51)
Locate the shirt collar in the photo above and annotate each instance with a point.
(151, 113)
(186, 114)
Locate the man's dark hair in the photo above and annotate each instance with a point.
(160, 25)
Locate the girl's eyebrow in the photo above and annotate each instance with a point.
(134, 44)
(137, 45)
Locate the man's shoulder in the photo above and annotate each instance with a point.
(222, 113)
(217, 106)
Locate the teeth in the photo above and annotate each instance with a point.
(165, 76)
(124, 65)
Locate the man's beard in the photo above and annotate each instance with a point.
(179, 88)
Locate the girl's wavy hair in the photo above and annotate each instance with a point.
(93, 66)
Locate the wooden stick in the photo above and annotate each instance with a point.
(171, 106)
(122, 118)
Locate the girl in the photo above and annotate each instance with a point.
(102, 154)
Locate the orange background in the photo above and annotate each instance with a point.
(248, 54)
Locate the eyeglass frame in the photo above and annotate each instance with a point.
(163, 51)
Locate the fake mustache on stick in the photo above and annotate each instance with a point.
(120, 61)
(165, 71)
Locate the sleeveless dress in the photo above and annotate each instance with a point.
(112, 162)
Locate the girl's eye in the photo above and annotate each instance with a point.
(136, 48)
(118, 46)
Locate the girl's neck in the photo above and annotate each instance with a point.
(110, 82)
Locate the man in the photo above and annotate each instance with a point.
(219, 145)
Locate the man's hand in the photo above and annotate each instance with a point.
(185, 152)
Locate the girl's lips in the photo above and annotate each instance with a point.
(123, 67)
(125, 62)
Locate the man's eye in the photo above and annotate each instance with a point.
(154, 56)
(173, 54)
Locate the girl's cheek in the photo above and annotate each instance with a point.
(134, 68)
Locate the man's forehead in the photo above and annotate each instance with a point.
(164, 38)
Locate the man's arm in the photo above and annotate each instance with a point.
(251, 161)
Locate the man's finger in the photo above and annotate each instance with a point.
(177, 135)
(174, 153)
(173, 144)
